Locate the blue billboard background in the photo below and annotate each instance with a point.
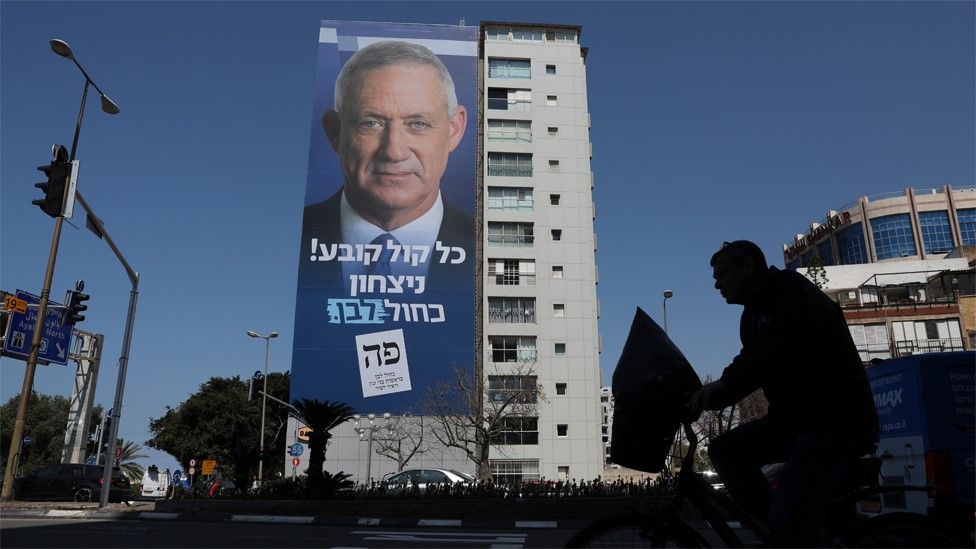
(378, 345)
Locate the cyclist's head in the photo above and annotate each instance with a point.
(738, 267)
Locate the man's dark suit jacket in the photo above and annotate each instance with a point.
(322, 222)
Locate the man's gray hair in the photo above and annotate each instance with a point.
(392, 52)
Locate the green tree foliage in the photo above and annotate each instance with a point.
(219, 422)
(817, 273)
(46, 418)
(321, 417)
(131, 452)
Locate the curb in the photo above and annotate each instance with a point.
(374, 522)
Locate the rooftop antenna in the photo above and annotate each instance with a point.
(461, 24)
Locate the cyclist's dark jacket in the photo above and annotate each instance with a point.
(796, 346)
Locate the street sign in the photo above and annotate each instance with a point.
(193, 463)
(296, 449)
(193, 470)
(13, 303)
(258, 376)
(208, 466)
(295, 462)
(303, 433)
(55, 339)
(177, 475)
(27, 441)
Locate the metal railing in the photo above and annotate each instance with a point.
(509, 170)
(511, 279)
(513, 240)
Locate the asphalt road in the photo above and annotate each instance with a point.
(34, 532)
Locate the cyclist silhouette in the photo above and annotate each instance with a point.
(797, 348)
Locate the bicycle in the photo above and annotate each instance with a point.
(664, 528)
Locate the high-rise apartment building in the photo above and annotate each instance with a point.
(536, 274)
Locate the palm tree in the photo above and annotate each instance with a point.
(321, 417)
(127, 462)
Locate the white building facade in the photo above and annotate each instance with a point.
(537, 279)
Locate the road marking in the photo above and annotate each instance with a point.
(155, 515)
(272, 518)
(65, 513)
(535, 524)
(438, 522)
(368, 522)
(501, 539)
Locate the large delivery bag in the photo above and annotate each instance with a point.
(650, 386)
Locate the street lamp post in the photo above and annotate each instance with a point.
(264, 394)
(372, 428)
(61, 48)
(667, 295)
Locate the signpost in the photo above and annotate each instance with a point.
(296, 449)
(55, 339)
(208, 466)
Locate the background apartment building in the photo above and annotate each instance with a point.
(536, 277)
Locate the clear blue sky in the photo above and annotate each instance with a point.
(711, 121)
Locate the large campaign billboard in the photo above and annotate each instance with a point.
(385, 302)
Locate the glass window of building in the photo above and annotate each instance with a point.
(505, 233)
(527, 35)
(559, 310)
(553, 131)
(850, 245)
(509, 99)
(806, 257)
(509, 68)
(553, 165)
(871, 341)
(511, 272)
(560, 388)
(521, 389)
(893, 236)
(552, 100)
(517, 430)
(564, 37)
(513, 199)
(497, 34)
(936, 233)
(559, 348)
(550, 69)
(512, 131)
(513, 471)
(967, 225)
(826, 252)
(512, 348)
(510, 164)
(557, 234)
(557, 271)
(511, 310)
(926, 336)
(554, 199)
(562, 430)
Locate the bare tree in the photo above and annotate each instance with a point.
(473, 414)
(402, 439)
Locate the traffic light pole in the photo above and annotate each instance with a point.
(13, 454)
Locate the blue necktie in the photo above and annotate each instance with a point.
(382, 264)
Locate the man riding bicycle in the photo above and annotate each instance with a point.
(797, 348)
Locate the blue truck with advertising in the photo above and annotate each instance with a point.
(928, 423)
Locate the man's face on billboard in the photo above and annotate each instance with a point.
(393, 139)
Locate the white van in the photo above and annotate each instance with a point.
(155, 483)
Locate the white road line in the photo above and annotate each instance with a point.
(272, 518)
(368, 522)
(535, 524)
(65, 513)
(438, 522)
(155, 515)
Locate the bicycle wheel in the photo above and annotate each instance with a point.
(904, 530)
(635, 530)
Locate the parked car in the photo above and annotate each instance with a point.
(155, 483)
(70, 482)
(421, 479)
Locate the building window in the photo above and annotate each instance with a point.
(521, 389)
(511, 310)
(558, 310)
(513, 199)
(926, 336)
(497, 34)
(551, 100)
(561, 37)
(893, 236)
(554, 199)
(512, 471)
(503, 233)
(550, 69)
(562, 472)
(511, 272)
(553, 165)
(513, 131)
(517, 430)
(527, 35)
(560, 388)
(967, 225)
(559, 349)
(936, 234)
(562, 430)
(557, 234)
(509, 68)
(510, 164)
(557, 271)
(826, 251)
(512, 348)
(871, 341)
(506, 99)
(850, 245)
(806, 257)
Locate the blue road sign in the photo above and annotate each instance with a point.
(55, 339)
(27, 441)
(258, 376)
(296, 449)
(177, 475)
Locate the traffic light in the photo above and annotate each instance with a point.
(74, 306)
(57, 172)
